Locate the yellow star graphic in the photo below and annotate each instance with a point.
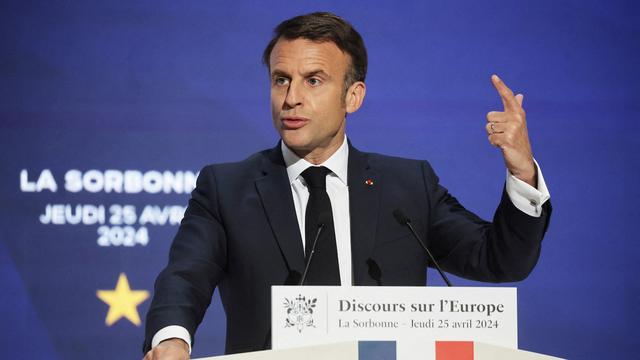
(122, 301)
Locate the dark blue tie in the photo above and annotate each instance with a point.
(323, 269)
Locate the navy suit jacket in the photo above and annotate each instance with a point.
(240, 234)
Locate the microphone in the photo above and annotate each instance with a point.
(294, 274)
(404, 220)
(374, 271)
(313, 250)
(322, 220)
(293, 278)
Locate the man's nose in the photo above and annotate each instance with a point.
(294, 95)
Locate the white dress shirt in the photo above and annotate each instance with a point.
(338, 192)
(523, 196)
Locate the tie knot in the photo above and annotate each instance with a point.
(316, 176)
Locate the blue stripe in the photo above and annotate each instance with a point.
(376, 350)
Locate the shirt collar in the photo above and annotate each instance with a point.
(337, 162)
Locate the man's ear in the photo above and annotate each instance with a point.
(355, 96)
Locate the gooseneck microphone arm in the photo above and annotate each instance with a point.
(313, 250)
(404, 220)
(267, 340)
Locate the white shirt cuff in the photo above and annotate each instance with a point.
(525, 197)
(171, 332)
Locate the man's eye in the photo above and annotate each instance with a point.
(314, 81)
(280, 81)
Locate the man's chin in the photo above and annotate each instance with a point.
(297, 147)
(294, 141)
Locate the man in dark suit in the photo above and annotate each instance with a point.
(249, 225)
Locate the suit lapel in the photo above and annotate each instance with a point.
(275, 192)
(364, 200)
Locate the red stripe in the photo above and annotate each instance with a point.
(454, 350)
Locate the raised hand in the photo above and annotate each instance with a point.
(508, 131)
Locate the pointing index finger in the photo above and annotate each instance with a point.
(508, 99)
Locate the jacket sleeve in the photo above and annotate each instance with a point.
(197, 263)
(504, 250)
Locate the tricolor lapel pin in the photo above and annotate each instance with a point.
(369, 182)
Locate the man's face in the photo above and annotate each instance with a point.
(308, 97)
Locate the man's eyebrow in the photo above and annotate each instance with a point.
(312, 73)
(276, 73)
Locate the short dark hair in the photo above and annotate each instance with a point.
(321, 27)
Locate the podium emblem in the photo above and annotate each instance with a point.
(299, 312)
